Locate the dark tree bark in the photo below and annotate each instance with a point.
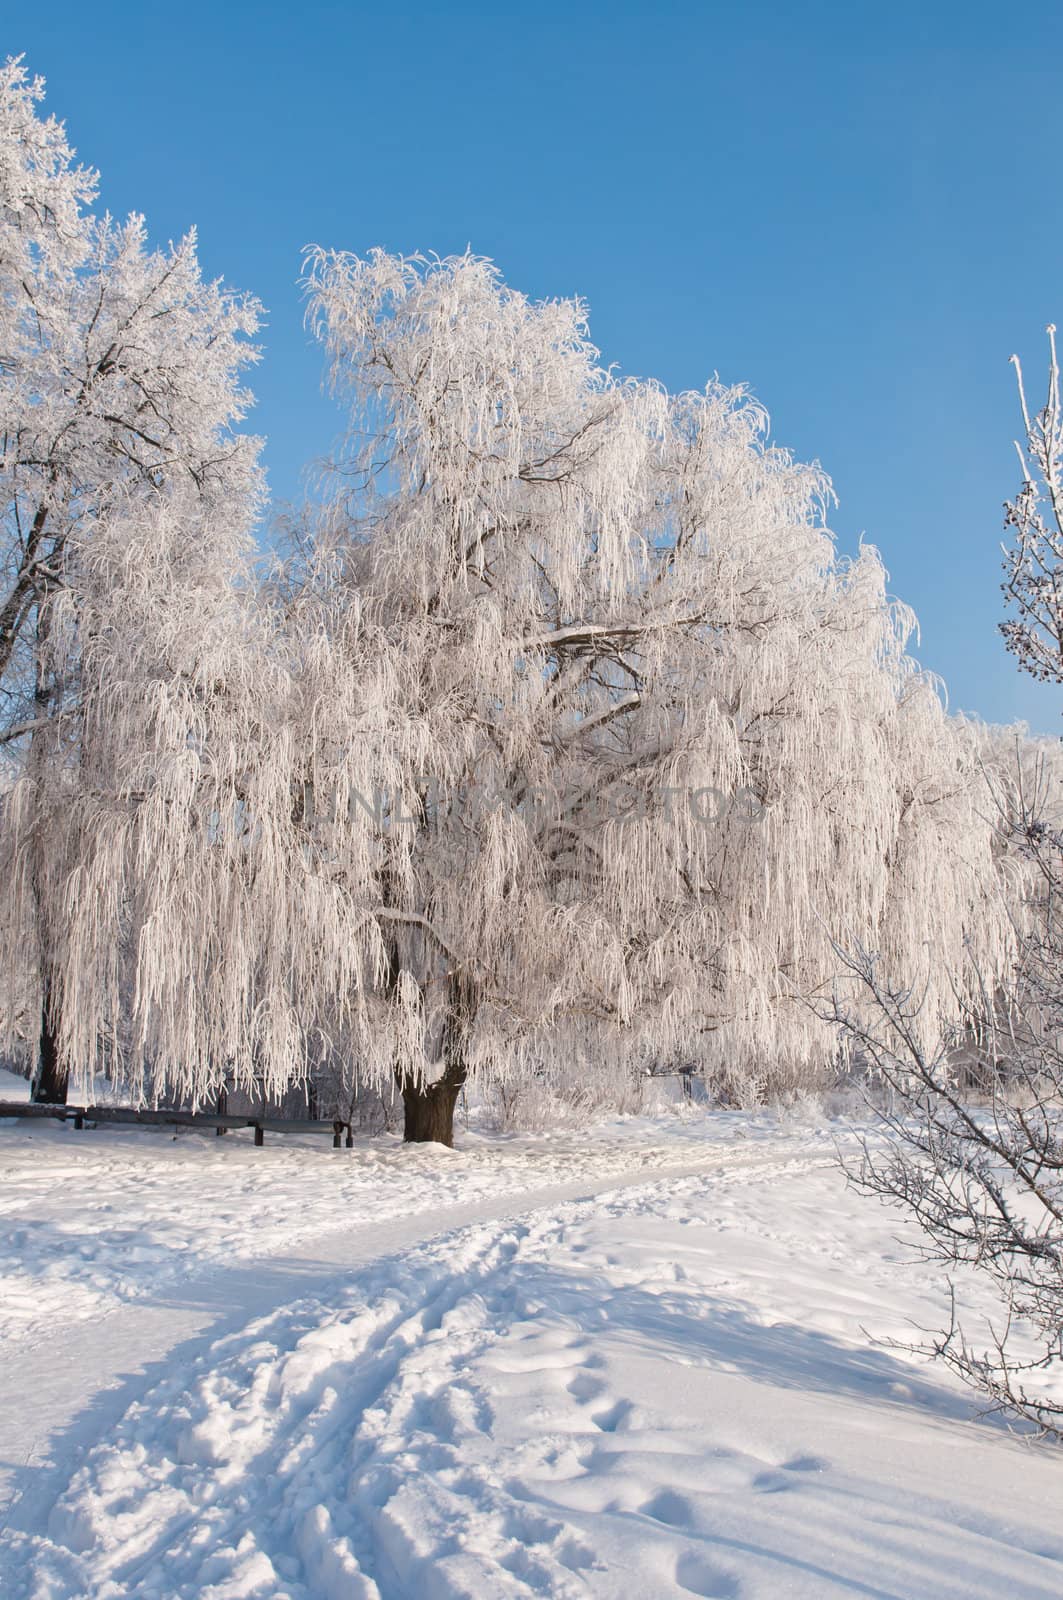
(429, 1107)
(51, 1076)
(50, 1079)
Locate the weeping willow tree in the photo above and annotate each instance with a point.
(651, 734)
(119, 392)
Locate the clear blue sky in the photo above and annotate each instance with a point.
(852, 208)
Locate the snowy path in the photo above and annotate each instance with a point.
(631, 1387)
(106, 1360)
(91, 1219)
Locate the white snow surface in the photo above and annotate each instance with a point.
(644, 1361)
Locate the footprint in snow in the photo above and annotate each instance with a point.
(695, 1575)
(674, 1510)
(611, 1418)
(585, 1387)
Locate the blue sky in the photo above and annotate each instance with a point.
(851, 208)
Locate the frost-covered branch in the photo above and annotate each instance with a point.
(1033, 566)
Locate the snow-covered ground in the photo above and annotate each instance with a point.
(638, 1362)
(112, 1214)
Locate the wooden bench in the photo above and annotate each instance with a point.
(130, 1116)
(29, 1108)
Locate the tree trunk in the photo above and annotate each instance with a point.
(429, 1107)
(50, 1078)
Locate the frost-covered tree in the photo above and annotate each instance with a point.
(119, 395)
(972, 1096)
(648, 726)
